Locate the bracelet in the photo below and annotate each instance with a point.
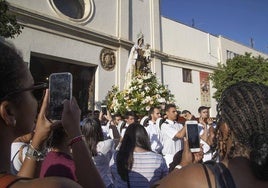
(32, 153)
(76, 139)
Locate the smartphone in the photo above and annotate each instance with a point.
(192, 134)
(60, 88)
(104, 109)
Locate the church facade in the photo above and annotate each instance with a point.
(92, 39)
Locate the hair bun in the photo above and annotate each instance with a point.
(259, 141)
(259, 155)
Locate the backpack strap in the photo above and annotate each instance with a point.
(162, 122)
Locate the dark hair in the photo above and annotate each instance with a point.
(244, 107)
(116, 115)
(91, 129)
(168, 106)
(57, 137)
(135, 135)
(129, 113)
(151, 111)
(185, 112)
(202, 108)
(12, 71)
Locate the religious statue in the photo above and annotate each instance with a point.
(138, 60)
(147, 53)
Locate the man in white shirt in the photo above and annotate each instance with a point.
(130, 118)
(206, 130)
(172, 134)
(153, 130)
(113, 125)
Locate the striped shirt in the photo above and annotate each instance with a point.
(148, 167)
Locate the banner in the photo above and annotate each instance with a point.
(205, 89)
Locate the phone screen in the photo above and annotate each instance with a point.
(193, 136)
(60, 87)
(104, 109)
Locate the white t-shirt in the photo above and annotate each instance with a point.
(14, 157)
(171, 144)
(154, 135)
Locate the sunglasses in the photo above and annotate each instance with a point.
(37, 91)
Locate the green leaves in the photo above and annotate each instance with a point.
(8, 23)
(240, 68)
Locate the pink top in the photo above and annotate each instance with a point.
(58, 164)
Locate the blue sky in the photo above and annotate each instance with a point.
(238, 20)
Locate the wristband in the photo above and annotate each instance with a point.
(76, 139)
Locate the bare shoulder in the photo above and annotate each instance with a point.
(190, 176)
(51, 182)
(243, 175)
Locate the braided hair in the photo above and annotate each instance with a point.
(244, 107)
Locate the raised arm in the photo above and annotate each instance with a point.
(86, 171)
(181, 133)
(41, 133)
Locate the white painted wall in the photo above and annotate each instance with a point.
(184, 41)
(187, 95)
(227, 44)
(140, 21)
(31, 40)
(105, 17)
(43, 7)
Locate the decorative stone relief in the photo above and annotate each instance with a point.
(107, 58)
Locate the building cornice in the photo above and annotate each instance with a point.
(177, 61)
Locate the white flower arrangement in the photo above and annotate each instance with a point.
(143, 93)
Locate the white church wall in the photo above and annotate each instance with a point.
(189, 43)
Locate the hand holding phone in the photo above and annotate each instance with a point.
(60, 88)
(192, 134)
(104, 109)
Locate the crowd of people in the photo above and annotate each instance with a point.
(104, 150)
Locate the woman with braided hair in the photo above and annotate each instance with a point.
(242, 143)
